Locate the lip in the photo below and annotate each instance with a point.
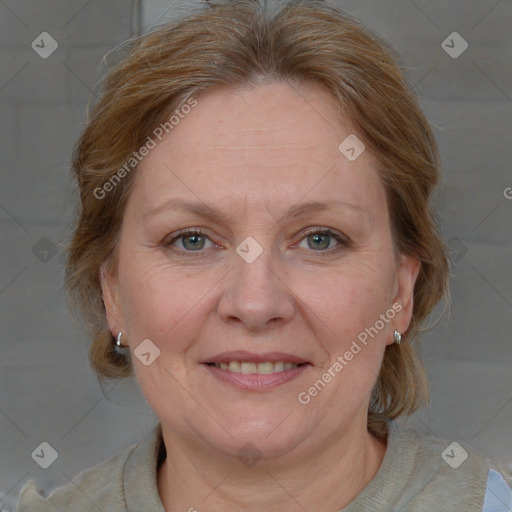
(255, 381)
(250, 357)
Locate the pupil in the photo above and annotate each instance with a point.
(318, 238)
(196, 240)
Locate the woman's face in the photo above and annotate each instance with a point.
(257, 281)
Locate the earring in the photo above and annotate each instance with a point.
(397, 337)
(118, 347)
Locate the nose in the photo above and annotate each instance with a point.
(256, 295)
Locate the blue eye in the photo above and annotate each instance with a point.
(318, 240)
(191, 240)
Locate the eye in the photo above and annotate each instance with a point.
(320, 239)
(191, 240)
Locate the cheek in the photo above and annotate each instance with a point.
(347, 299)
(163, 306)
(347, 305)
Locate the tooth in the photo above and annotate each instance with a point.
(265, 368)
(279, 366)
(234, 366)
(248, 368)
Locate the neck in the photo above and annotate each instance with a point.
(331, 479)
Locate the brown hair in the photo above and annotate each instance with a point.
(240, 43)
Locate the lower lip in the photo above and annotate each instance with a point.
(256, 381)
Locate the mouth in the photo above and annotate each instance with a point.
(250, 368)
(255, 372)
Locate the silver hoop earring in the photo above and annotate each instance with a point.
(397, 337)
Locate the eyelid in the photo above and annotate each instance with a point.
(326, 230)
(185, 231)
(343, 240)
(173, 237)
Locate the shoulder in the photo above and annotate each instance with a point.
(441, 471)
(125, 481)
(99, 487)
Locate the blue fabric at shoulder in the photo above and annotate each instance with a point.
(498, 496)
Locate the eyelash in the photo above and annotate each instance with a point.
(343, 241)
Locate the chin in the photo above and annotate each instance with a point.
(266, 438)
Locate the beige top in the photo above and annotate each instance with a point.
(413, 477)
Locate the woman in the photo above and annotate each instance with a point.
(255, 243)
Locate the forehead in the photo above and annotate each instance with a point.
(274, 143)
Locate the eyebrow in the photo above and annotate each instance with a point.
(300, 209)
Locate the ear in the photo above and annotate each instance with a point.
(404, 294)
(110, 293)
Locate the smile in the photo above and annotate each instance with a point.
(250, 376)
(248, 368)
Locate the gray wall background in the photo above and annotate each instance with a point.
(47, 391)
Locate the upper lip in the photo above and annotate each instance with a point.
(251, 357)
